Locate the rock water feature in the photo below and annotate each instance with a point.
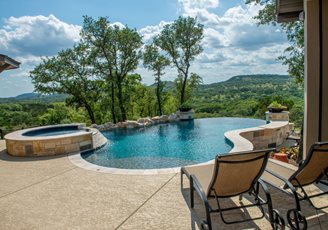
(140, 123)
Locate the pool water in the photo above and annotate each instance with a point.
(53, 131)
(168, 145)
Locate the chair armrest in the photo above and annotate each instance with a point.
(263, 185)
(287, 183)
(198, 187)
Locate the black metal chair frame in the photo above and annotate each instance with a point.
(293, 190)
(254, 190)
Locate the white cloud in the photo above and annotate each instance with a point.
(199, 9)
(149, 32)
(206, 4)
(37, 35)
(27, 39)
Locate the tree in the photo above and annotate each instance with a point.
(69, 73)
(116, 53)
(293, 55)
(191, 86)
(156, 62)
(182, 42)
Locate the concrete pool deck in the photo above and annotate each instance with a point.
(53, 193)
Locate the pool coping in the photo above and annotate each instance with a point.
(239, 144)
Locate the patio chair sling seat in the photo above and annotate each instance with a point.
(313, 167)
(202, 172)
(228, 176)
(312, 170)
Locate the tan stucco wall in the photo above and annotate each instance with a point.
(312, 73)
(311, 94)
(324, 133)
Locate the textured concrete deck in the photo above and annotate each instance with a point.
(52, 193)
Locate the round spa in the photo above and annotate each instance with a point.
(50, 140)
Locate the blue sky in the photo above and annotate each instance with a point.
(233, 43)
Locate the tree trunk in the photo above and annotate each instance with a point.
(120, 99)
(90, 113)
(113, 102)
(182, 98)
(158, 94)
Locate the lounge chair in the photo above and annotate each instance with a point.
(229, 176)
(312, 170)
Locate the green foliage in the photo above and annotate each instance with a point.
(276, 105)
(181, 40)
(62, 114)
(20, 114)
(293, 55)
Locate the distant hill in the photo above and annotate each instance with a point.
(258, 78)
(34, 97)
(237, 84)
(247, 95)
(240, 79)
(255, 86)
(25, 96)
(169, 85)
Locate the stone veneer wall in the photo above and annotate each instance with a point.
(282, 116)
(267, 137)
(261, 137)
(50, 147)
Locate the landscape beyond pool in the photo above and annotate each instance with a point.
(168, 145)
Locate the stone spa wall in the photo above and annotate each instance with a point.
(19, 145)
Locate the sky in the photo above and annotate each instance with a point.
(233, 42)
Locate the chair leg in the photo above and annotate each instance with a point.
(181, 179)
(268, 199)
(296, 220)
(191, 192)
(208, 217)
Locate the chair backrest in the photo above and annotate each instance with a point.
(314, 166)
(237, 173)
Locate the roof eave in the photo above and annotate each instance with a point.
(289, 10)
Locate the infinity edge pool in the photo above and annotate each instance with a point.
(237, 137)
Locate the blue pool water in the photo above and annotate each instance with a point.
(53, 131)
(167, 145)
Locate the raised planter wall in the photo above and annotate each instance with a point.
(187, 115)
(265, 136)
(281, 116)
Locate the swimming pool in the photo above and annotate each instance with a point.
(167, 145)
